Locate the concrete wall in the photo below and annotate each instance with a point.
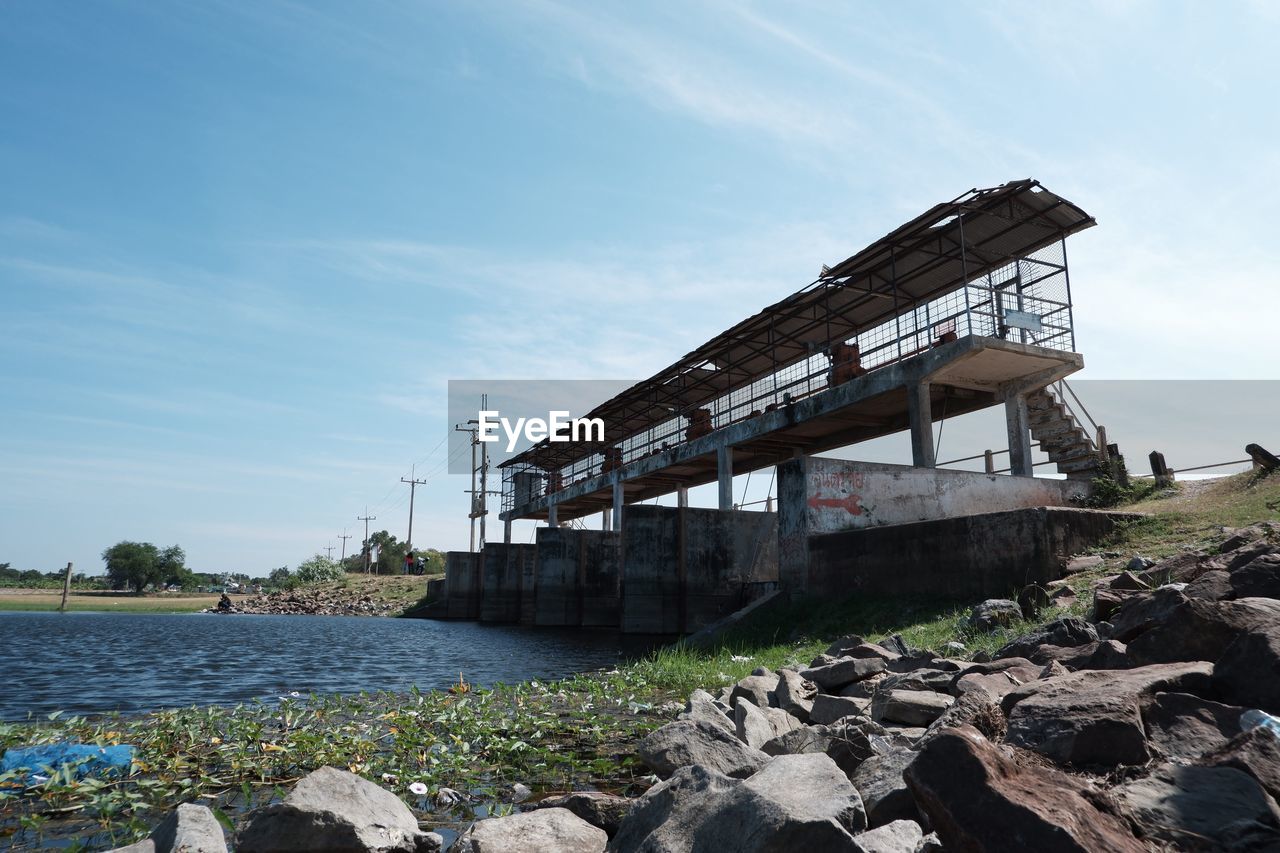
(502, 581)
(462, 583)
(576, 578)
(683, 569)
(819, 496)
(984, 555)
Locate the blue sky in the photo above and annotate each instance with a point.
(243, 246)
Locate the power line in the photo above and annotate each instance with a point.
(413, 484)
(366, 519)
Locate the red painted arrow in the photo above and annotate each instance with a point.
(852, 503)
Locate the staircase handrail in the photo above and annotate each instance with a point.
(1062, 384)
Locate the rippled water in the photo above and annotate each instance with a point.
(97, 662)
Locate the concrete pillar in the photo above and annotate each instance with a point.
(724, 467)
(552, 520)
(606, 520)
(682, 497)
(618, 498)
(920, 417)
(1015, 415)
(506, 532)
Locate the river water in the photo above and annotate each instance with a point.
(98, 662)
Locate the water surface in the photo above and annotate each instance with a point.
(98, 662)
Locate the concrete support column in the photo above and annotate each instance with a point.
(920, 417)
(724, 467)
(552, 520)
(1015, 415)
(606, 521)
(506, 532)
(682, 497)
(618, 498)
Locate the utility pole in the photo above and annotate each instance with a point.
(344, 537)
(329, 550)
(366, 519)
(66, 589)
(475, 440)
(413, 484)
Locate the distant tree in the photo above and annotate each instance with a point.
(133, 565)
(432, 561)
(282, 578)
(318, 570)
(172, 569)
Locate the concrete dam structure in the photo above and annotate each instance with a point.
(967, 306)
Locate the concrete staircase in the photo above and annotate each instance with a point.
(1055, 428)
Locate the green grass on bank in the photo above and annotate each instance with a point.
(141, 605)
(577, 732)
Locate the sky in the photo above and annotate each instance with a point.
(245, 246)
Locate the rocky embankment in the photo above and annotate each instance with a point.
(311, 602)
(1127, 731)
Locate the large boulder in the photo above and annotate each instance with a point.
(901, 836)
(757, 689)
(1103, 654)
(999, 682)
(1202, 808)
(909, 707)
(795, 802)
(333, 810)
(1210, 586)
(686, 742)
(995, 613)
(794, 694)
(1183, 727)
(828, 709)
(833, 676)
(757, 726)
(1201, 630)
(884, 792)
(925, 678)
(702, 706)
(1248, 673)
(1142, 611)
(976, 708)
(1094, 716)
(599, 809)
(190, 828)
(1255, 752)
(847, 743)
(542, 829)
(1260, 577)
(981, 801)
(1067, 631)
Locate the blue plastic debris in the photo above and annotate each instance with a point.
(78, 759)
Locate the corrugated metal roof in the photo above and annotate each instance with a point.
(919, 261)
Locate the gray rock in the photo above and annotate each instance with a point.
(756, 726)
(884, 791)
(605, 811)
(909, 707)
(997, 682)
(701, 706)
(333, 810)
(1255, 752)
(1201, 630)
(1260, 577)
(146, 845)
(1141, 611)
(1104, 654)
(901, 836)
(1184, 727)
(1210, 586)
(847, 744)
(1082, 564)
(920, 679)
(828, 709)
(795, 802)
(1248, 673)
(754, 688)
(189, 828)
(794, 694)
(978, 709)
(931, 844)
(1067, 631)
(686, 742)
(1139, 563)
(834, 676)
(841, 647)
(1202, 808)
(1094, 716)
(995, 613)
(542, 829)
(864, 689)
(954, 648)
